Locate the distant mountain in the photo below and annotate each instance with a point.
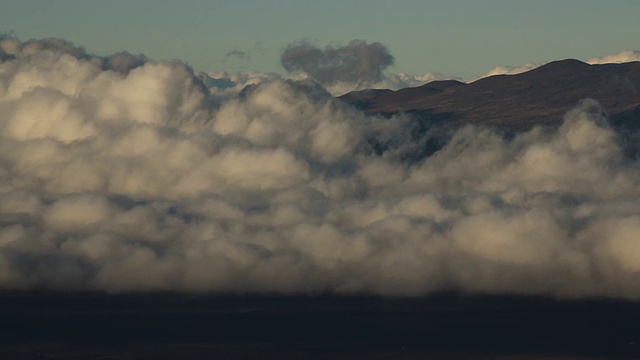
(539, 96)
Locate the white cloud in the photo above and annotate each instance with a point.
(224, 85)
(141, 177)
(621, 57)
(509, 70)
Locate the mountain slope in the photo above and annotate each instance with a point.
(539, 96)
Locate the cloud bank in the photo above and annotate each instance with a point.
(123, 174)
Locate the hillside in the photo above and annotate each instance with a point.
(539, 96)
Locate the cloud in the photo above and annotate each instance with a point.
(124, 61)
(131, 178)
(355, 66)
(357, 62)
(225, 85)
(239, 55)
(389, 81)
(510, 70)
(621, 57)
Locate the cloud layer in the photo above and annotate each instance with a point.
(123, 174)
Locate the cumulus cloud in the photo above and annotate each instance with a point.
(357, 62)
(355, 66)
(124, 61)
(224, 85)
(130, 178)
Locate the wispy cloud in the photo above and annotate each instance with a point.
(239, 55)
(621, 57)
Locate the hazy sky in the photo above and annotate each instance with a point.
(463, 38)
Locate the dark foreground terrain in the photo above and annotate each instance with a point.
(45, 325)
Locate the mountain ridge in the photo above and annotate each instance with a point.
(540, 96)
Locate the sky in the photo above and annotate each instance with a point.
(458, 38)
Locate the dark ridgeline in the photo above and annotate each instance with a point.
(537, 97)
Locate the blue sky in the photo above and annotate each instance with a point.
(456, 37)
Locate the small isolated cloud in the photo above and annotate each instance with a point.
(355, 66)
(239, 55)
(356, 62)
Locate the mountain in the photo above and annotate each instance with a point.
(539, 96)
